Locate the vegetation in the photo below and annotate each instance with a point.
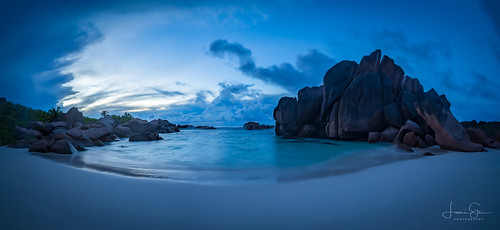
(120, 119)
(15, 114)
(104, 113)
(490, 128)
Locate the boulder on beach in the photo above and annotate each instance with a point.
(359, 101)
(21, 133)
(449, 133)
(122, 131)
(63, 147)
(139, 126)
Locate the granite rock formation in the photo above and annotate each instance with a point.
(372, 100)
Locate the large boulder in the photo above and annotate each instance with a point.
(98, 133)
(479, 136)
(74, 118)
(145, 136)
(335, 82)
(285, 115)
(21, 133)
(394, 72)
(361, 109)
(79, 137)
(140, 126)
(59, 124)
(449, 133)
(41, 146)
(122, 131)
(332, 127)
(164, 126)
(369, 64)
(309, 104)
(392, 115)
(107, 121)
(63, 147)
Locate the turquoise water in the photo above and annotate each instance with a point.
(221, 155)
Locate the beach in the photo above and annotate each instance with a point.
(38, 193)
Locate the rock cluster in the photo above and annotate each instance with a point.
(375, 101)
(69, 134)
(256, 126)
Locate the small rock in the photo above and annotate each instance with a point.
(373, 137)
(389, 134)
(429, 140)
(404, 147)
(428, 154)
(98, 143)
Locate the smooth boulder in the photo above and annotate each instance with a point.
(449, 133)
(145, 136)
(63, 147)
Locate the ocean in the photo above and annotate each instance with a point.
(232, 155)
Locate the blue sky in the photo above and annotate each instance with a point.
(228, 62)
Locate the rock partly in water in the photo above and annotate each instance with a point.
(389, 134)
(122, 131)
(63, 147)
(285, 115)
(145, 136)
(373, 137)
(256, 126)
(185, 126)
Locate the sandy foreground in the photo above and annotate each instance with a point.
(37, 193)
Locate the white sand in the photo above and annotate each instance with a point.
(37, 193)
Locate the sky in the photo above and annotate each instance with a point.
(229, 62)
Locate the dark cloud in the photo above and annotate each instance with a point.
(491, 8)
(33, 34)
(477, 86)
(308, 70)
(410, 53)
(168, 93)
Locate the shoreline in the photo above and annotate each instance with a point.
(42, 194)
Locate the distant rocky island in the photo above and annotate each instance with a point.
(375, 101)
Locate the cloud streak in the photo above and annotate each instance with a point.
(308, 70)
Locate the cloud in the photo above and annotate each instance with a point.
(168, 93)
(234, 105)
(308, 70)
(491, 8)
(34, 35)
